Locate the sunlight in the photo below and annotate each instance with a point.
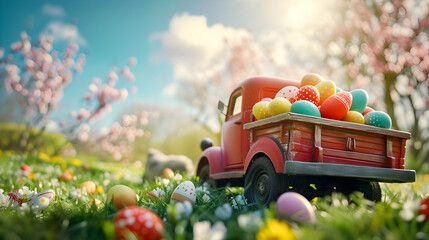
(301, 14)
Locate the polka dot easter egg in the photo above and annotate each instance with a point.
(261, 110)
(311, 79)
(138, 223)
(355, 117)
(326, 89)
(309, 93)
(278, 106)
(185, 192)
(289, 92)
(378, 119)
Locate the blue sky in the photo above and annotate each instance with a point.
(110, 32)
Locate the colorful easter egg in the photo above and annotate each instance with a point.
(311, 79)
(267, 99)
(305, 107)
(294, 206)
(309, 93)
(40, 203)
(355, 117)
(337, 90)
(326, 89)
(289, 92)
(424, 209)
(168, 173)
(14, 196)
(26, 168)
(66, 176)
(49, 194)
(336, 106)
(278, 106)
(378, 119)
(368, 110)
(360, 100)
(95, 201)
(138, 223)
(260, 110)
(185, 192)
(89, 186)
(121, 196)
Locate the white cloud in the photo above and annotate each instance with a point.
(64, 32)
(192, 46)
(54, 11)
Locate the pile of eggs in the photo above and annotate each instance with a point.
(321, 98)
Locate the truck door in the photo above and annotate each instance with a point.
(232, 131)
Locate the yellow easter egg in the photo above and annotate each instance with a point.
(260, 110)
(311, 79)
(89, 186)
(326, 89)
(278, 106)
(354, 116)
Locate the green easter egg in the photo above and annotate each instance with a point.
(360, 100)
(305, 107)
(378, 119)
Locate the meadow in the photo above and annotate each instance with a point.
(219, 213)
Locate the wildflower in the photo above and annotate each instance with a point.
(118, 175)
(239, 201)
(158, 192)
(99, 189)
(5, 200)
(57, 159)
(54, 182)
(206, 198)
(224, 212)
(76, 162)
(250, 221)
(78, 193)
(183, 210)
(32, 176)
(409, 209)
(177, 177)
(202, 189)
(165, 182)
(25, 193)
(275, 229)
(45, 157)
(203, 231)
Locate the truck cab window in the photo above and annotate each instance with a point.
(236, 105)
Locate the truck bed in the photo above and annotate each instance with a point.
(320, 146)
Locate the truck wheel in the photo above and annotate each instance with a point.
(261, 183)
(204, 175)
(370, 190)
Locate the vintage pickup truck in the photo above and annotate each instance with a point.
(293, 152)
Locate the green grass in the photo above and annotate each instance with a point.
(395, 217)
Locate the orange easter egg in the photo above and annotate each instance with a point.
(336, 106)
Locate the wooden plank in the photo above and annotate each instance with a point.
(318, 150)
(327, 122)
(337, 160)
(353, 155)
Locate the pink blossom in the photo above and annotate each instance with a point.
(132, 61)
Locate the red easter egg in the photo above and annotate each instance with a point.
(140, 222)
(25, 168)
(14, 196)
(424, 208)
(309, 93)
(367, 110)
(336, 106)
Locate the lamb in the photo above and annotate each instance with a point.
(157, 162)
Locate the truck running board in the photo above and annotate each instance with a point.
(343, 170)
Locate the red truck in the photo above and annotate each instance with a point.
(293, 152)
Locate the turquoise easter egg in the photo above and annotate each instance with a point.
(360, 100)
(305, 107)
(378, 119)
(337, 90)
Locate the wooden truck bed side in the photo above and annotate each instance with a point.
(308, 139)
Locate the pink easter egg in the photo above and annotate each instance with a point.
(294, 206)
(289, 92)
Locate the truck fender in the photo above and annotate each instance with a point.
(270, 147)
(212, 156)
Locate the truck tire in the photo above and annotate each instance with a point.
(204, 175)
(261, 183)
(370, 190)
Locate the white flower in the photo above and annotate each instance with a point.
(158, 192)
(78, 193)
(183, 210)
(203, 231)
(250, 221)
(165, 182)
(54, 182)
(40, 203)
(206, 198)
(202, 189)
(25, 193)
(5, 200)
(409, 209)
(177, 177)
(224, 212)
(239, 201)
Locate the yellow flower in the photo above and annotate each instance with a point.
(99, 189)
(275, 229)
(76, 162)
(70, 171)
(119, 174)
(45, 157)
(57, 159)
(31, 176)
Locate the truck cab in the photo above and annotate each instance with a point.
(286, 152)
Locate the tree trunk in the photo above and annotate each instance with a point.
(389, 85)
